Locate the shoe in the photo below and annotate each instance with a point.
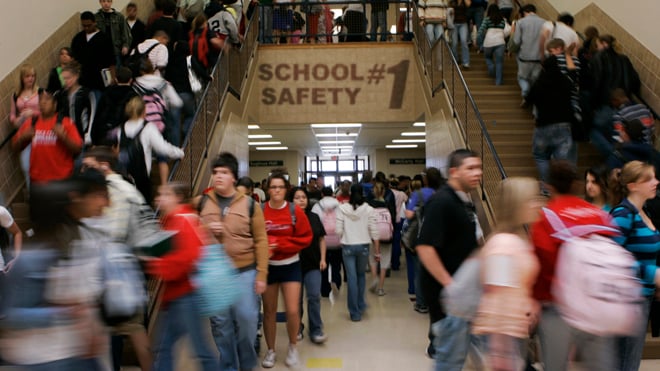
(319, 339)
(373, 287)
(356, 318)
(421, 308)
(380, 292)
(412, 298)
(300, 336)
(466, 66)
(269, 359)
(334, 288)
(292, 358)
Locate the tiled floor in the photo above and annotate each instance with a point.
(391, 336)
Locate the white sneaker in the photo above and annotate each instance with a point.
(320, 338)
(292, 358)
(269, 359)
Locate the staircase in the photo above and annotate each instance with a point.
(510, 126)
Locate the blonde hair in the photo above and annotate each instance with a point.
(416, 185)
(135, 108)
(27, 69)
(515, 193)
(379, 190)
(632, 172)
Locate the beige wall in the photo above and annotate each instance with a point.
(294, 162)
(634, 16)
(382, 161)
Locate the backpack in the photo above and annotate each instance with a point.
(193, 8)
(593, 271)
(383, 224)
(215, 278)
(154, 105)
(410, 231)
(132, 161)
(134, 60)
(123, 295)
(329, 221)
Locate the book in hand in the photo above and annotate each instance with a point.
(157, 244)
(106, 74)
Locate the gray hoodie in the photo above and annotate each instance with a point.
(356, 227)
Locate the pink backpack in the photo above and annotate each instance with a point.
(383, 223)
(329, 221)
(596, 288)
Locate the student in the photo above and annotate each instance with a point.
(114, 25)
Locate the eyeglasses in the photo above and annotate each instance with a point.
(277, 187)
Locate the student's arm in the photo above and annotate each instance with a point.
(18, 244)
(433, 264)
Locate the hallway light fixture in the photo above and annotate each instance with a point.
(392, 146)
(413, 134)
(336, 141)
(253, 127)
(419, 124)
(333, 135)
(408, 140)
(264, 143)
(336, 147)
(259, 136)
(351, 125)
(272, 148)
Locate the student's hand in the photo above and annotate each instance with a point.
(323, 265)
(27, 113)
(28, 135)
(124, 50)
(259, 287)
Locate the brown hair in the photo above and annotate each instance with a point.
(632, 172)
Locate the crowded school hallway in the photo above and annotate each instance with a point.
(390, 337)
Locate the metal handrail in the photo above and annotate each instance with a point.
(442, 69)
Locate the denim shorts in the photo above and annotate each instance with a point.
(284, 273)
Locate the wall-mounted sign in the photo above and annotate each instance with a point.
(267, 163)
(407, 161)
(365, 84)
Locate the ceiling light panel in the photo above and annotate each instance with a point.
(408, 140)
(274, 143)
(419, 124)
(396, 146)
(351, 125)
(259, 136)
(335, 147)
(272, 148)
(253, 127)
(336, 135)
(336, 142)
(413, 134)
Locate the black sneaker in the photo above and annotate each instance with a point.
(421, 308)
(430, 351)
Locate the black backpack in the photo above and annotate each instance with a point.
(135, 59)
(132, 161)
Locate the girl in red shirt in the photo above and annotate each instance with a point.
(288, 232)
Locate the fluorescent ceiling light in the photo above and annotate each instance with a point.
(264, 143)
(401, 146)
(413, 134)
(418, 124)
(337, 147)
(253, 127)
(272, 148)
(259, 136)
(408, 140)
(336, 141)
(336, 135)
(319, 126)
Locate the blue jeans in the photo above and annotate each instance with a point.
(630, 347)
(452, 342)
(552, 141)
(69, 364)
(179, 318)
(495, 69)
(187, 111)
(396, 246)
(434, 31)
(557, 339)
(476, 15)
(355, 262)
(312, 285)
(603, 130)
(411, 269)
(234, 330)
(461, 32)
(379, 20)
(528, 73)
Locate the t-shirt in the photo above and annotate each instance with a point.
(6, 220)
(50, 159)
(413, 200)
(559, 30)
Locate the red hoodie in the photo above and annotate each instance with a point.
(572, 211)
(174, 268)
(288, 238)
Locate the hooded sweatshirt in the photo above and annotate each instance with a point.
(326, 203)
(356, 226)
(154, 82)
